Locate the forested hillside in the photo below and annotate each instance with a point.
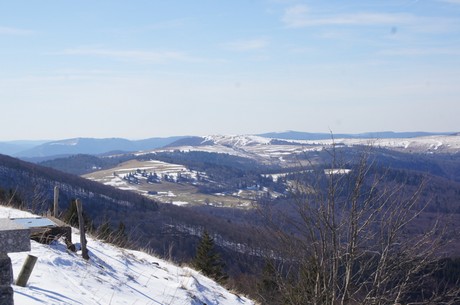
(244, 237)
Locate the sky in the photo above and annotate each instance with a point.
(144, 68)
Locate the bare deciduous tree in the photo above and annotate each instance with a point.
(347, 240)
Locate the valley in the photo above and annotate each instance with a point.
(177, 174)
(248, 191)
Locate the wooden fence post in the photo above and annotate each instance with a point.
(26, 270)
(56, 202)
(81, 222)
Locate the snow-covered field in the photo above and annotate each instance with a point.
(429, 144)
(111, 276)
(264, 150)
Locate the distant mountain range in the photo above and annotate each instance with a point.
(90, 146)
(297, 135)
(14, 147)
(37, 151)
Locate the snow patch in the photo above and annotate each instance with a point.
(180, 203)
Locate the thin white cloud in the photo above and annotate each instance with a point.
(451, 1)
(136, 55)
(300, 16)
(158, 26)
(13, 31)
(420, 52)
(247, 45)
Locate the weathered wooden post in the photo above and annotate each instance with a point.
(56, 202)
(81, 222)
(13, 238)
(26, 270)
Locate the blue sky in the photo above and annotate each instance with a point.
(139, 69)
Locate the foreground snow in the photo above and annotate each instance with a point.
(111, 276)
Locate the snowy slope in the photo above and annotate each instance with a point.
(237, 140)
(111, 276)
(431, 144)
(261, 148)
(423, 144)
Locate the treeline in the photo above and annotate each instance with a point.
(224, 172)
(35, 184)
(168, 230)
(83, 164)
(200, 161)
(240, 236)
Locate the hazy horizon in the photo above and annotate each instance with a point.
(44, 140)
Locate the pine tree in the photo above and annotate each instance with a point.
(70, 216)
(207, 260)
(268, 288)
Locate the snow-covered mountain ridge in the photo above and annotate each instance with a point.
(429, 144)
(111, 276)
(425, 144)
(272, 150)
(236, 140)
(45, 150)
